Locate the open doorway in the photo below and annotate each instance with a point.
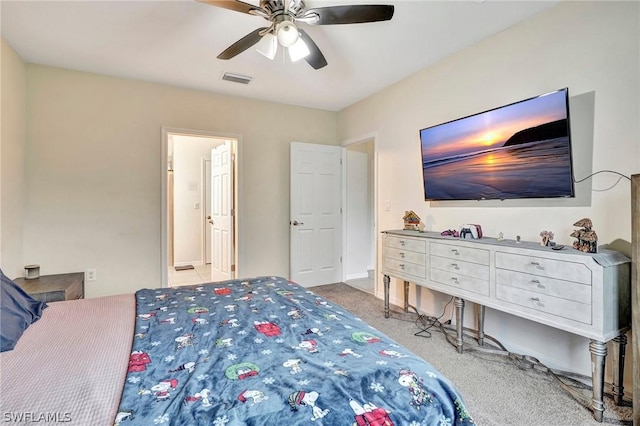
(191, 193)
(360, 236)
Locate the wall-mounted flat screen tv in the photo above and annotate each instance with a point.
(520, 150)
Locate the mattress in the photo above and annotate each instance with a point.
(69, 367)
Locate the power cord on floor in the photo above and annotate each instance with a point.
(425, 322)
(570, 382)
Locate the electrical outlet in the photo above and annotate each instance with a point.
(387, 205)
(91, 274)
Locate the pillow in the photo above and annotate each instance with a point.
(18, 311)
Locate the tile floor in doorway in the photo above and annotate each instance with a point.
(364, 284)
(200, 274)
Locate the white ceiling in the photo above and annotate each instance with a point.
(176, 43)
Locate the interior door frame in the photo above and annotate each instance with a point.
(204, 203)
(164, 238)
(354, 141)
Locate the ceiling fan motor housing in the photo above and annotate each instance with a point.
(277, 7)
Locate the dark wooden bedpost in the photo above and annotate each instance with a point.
(635, 293)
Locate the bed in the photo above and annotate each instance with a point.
(258, 351)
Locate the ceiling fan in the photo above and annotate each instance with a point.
(285, 16)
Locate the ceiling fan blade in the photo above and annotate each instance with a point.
(237, 5)
(355, 14)
(315, 58)
(243, 44)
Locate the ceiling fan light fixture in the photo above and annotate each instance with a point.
(268, 46)
(287, 33)
(299, 50)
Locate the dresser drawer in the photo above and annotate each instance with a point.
(550, 286)
(404, 267)
(467, 254)
(556, 306)
(460, 281)
(406, 244)
(563, 270)
(460, 267)
(405, 255)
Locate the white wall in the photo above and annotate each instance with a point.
(358, 212)
(94, 171)
(12, 172)
(188, 152)
(586, 46)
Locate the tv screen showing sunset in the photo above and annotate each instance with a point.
(520, 150)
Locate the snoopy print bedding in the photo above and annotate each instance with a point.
(266, 351)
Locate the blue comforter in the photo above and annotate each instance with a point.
(266, 351)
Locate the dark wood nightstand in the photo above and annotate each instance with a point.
(54, 288)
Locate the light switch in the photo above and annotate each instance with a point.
(196, 206)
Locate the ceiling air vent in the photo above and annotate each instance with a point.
(237, 78)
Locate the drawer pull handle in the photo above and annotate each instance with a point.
(454, 279)
(401, 265)
(534, 299)
(401, 243)
(402, 255)
(455, 251)
(537, 283)
(535, 263)
(455, 266)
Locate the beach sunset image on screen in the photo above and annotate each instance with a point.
(521, 150)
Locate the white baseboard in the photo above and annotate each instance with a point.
(188, 262)
(357, 276)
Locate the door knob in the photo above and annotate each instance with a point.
(209, 220)
(296, 223)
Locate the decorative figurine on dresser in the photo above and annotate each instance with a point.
(546, 238)
(578, 291)
(411, 221)
(586, 238)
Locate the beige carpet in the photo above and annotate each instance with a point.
(497, 392)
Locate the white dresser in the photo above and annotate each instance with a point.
(585, 294)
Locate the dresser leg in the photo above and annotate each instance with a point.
(387, 282)
(480, 312)
(459, 303)
(598, 355)
(406, 297)
(619, 349)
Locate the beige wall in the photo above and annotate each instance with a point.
(586, 46)
(12, 172)
(94, 173)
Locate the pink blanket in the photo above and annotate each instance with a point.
(69, 366)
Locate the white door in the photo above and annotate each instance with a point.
(221, 212)
(315, 222)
